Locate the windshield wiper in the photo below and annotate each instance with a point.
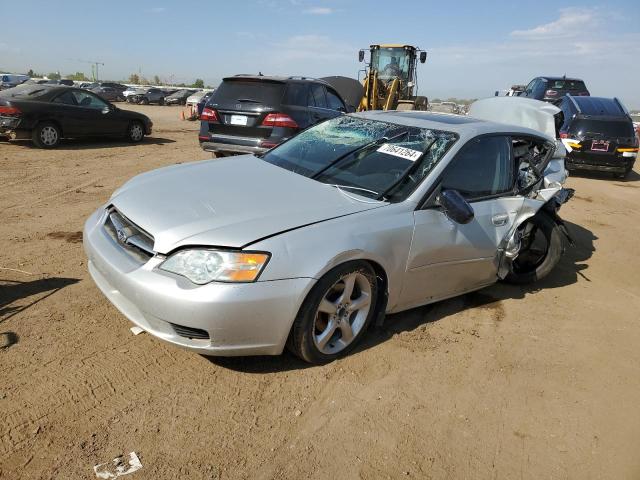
(356, 150)
(407, 172)
(351, 187)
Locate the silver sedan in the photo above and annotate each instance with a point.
(308, 244)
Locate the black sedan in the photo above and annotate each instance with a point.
(179, 97)
(47, 113)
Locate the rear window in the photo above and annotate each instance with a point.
(31, 91)
(264, 92)
(605, 128)
(567, 85)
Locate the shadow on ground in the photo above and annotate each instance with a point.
(571, 267)
(12, 291)
(91, 143)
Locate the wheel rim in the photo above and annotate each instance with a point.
(535, 246)
(136, 132)
(48, 135)
(342, 313)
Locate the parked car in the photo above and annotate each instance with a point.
(304, 246)
(46, 114)
(10, 80)
(598, 134)
(635, 117)
(147, 96)
(109, 94)
(444, 107)
(253, 113)
(131, 92)
(552, 89)
(179, 97)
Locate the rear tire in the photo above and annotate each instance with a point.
(144, 101)
(161, 101)
(336, 313)
(541, 250)
(46, 135)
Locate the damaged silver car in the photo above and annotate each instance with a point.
(306, 245)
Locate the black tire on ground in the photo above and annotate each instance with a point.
(161, 101)
(135, 132)
(46, 135)
(144, 101)
(120, 98)
(540, 252)
(301, 338)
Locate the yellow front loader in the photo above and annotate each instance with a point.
(390, 78)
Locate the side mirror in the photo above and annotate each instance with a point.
(496, 94)
(455, 206)
(423, 57)
(361, 55)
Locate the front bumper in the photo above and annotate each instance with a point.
(240, 319)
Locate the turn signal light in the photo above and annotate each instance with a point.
(622, 150)
(209, 115)
(279, 120)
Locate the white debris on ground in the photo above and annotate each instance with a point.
(136, 330)
(118, 467)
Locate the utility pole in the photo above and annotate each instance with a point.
(94, 65)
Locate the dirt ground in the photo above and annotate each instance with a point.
(509, 382)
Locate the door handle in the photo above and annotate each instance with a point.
(500, 219)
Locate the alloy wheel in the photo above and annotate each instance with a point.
(136, 132)
(342, 313)
(49, 135)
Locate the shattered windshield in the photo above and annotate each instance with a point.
(367, 157)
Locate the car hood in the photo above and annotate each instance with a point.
(228, 202)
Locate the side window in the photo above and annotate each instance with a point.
(334, 101)
(67, 98)
(316, 96)
(540, 88)
(88, 100)
(481, 168)
(297, 94)
(529, 88)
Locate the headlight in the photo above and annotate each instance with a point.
(204, 266)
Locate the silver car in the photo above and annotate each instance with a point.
(306, 245)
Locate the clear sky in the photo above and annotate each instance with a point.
(474, 47)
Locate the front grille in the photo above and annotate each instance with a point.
(189, 332)
(132, 238)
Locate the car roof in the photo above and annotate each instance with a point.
(571, 79)
(462, 125)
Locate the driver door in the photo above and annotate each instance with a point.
(98, 118)
(447, 258)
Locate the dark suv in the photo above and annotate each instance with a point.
(552, 89)
(598, 133)
(253, 113)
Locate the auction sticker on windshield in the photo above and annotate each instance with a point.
(402, 152)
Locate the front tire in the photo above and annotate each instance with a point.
(135, 132)
(144, 101)
(540, 252)
(46, 135)
(335, 315)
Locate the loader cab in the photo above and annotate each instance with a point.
(392, 61)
